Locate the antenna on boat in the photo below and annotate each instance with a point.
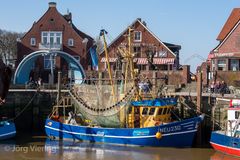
(102, 34)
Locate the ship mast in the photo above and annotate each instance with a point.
(102, 33)
(130, 57)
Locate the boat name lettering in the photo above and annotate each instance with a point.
(141, 132)
(170, 129)
(100, 133)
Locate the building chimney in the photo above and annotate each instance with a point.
(144, 23)
(52, 4)
(68, 16)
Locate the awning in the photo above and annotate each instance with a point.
(155, 60)
(145, 60)
(163, 60)
(141, 60)
(110, 60)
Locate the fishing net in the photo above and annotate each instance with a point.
(98, 104)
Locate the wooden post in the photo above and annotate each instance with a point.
(199, 91)
(182, 109)
(59, 92)
(59, 87)
(199, 104)
(154, 84)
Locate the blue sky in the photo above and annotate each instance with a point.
(193, 24)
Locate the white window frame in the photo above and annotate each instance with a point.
(33, 41)
(54, 34)
(162, 54)
(135, 49)
(137, 38)
(213, 64)
(234, 66)
(47, 59)
(221, 65)
(43, 37)
(70, 42)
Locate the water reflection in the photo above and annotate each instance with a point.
(222, 156)
(72, 150)
(41, 148)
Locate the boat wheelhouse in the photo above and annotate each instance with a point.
(228, 140)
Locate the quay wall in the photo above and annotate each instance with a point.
(28, 109)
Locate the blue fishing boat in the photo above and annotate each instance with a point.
(7, 130)
(228, 141)
(148, 123)
(142, 122)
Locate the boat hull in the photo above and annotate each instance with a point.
(175, 134)
(226, 144)
(7, 130)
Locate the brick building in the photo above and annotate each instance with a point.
(150, 54)
(224, 59)
(144, 45)
(54, 31)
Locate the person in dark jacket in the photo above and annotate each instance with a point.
(5, 80)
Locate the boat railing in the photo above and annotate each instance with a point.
(64, 102)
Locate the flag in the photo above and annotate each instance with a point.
(94, 56)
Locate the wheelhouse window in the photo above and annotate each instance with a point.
(51, 38)
(234, 64)
(137, 36)
(221, 65)
(169, 110)
(152, 110)
(145, 111)
(33, 41)
(47, 62)
(165, 111)
(160, 111)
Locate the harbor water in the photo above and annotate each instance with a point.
(25, 146)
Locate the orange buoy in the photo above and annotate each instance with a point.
(158, 135)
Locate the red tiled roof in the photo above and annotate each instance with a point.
(231, 22)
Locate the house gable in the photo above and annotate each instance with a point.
(231, 43)
(148, 37)
(53, 21)
(230, 23)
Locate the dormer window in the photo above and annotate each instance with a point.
(137, 36)
(33, 41)
(70, 42)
